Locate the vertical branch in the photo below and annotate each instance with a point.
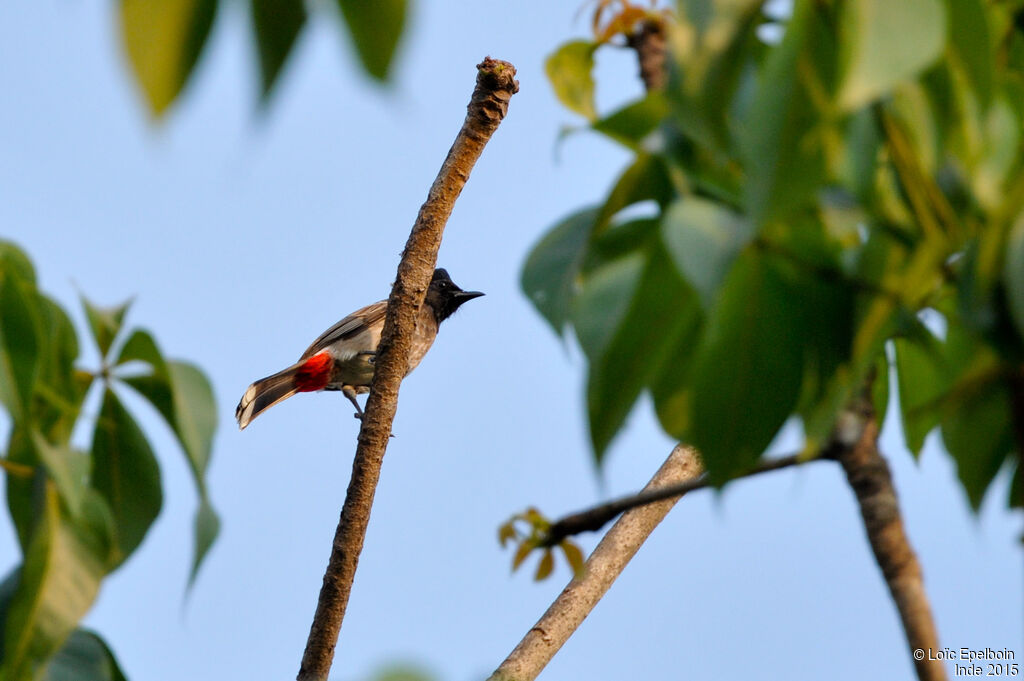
(495, 85)
(869, 477)
(605, 564)
(648, 39)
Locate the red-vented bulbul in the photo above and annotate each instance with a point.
(342, 358)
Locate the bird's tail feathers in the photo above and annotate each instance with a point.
(265, 393)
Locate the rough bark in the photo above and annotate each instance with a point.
(649, 42)
(869, 477)
(495, 85)
(605, 564)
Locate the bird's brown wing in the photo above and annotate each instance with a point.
(349, 327)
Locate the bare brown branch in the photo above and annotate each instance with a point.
(605, 564)
(495, 85)
(648, 39)
(869, 477)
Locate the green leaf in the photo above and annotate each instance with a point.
(573, 556)
(1013, 275)
(645, 179)
(276, 25)
(8, 587)
(84, 657)
(569, 69)
(376, 28)
(970, 44)
(104, 322)
(603, 300)
(747, 374)
(522, 552)
(163, 41)
(402, 672)
(58, 582)
(182, 394)
(883, 43)
(65, 467)
(60, 388)
(545, 566)
(21, 344)
(703, 237)
(631, 124)
(662, 309)
(923, 380)
(126, 473)
(207, 527)
(976, 431)
(550, 274)
(780, 138)
(14, 262)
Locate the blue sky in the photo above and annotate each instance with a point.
(242, 235)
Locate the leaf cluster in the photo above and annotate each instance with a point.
(813, 199)
(79, 514)
(164, 40)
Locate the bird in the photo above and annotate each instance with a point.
(344, 356)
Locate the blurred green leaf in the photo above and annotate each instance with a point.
(163, 41)
(21, 343)
(779, 140)
(545, 566)
(206, 528)
(703, 237)
(14, 262)
(970, 43)
(522, 552)
(126, 473)
(747, 374)
(573, 556)
(276, 24)
(884, 43)
(1016, 496)
(645, 179)
(634, 122)
(104, 322)
(376, 29)
(84, 657)
(569, 69)
(1013, 275)
(60, 388)
(662, 309)
(401, 672)
(58, 582)
(923, 380)
(976, 431)
(604, 297)
(60, 463)
(182, 394)
(550, 274)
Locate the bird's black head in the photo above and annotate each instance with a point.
(444, 297)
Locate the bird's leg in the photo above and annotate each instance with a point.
(350, 393)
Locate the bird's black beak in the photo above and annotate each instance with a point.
(463, 296)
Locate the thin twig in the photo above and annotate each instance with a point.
(495, 85)
(605, 564)
(595, 517)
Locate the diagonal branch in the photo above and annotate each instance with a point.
(605, 564)
(495, 85)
